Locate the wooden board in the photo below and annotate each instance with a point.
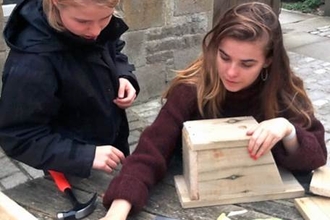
(205, 134)
(190, 169)
(232, 172)
(41, 198)
(10, 210)
(292, 189)
(314, 207)
(320, 184)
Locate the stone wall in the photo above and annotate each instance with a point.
(164, 35)
(327, 7)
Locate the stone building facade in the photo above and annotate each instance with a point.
(164, 36)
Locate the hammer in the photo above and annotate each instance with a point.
(79, 210)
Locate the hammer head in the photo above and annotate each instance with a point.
(79, 211)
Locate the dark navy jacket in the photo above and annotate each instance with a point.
(58, 90)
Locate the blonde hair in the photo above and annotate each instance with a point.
(53, 15)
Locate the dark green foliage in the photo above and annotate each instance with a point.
(306, 6)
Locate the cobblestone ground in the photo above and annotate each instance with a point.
(316, 76)
(315, 73)
(322, 31)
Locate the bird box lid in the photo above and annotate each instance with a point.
(218, 133)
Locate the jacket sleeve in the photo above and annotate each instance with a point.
(148, 163)
(125, 68)
(27, 107)
(312, 152)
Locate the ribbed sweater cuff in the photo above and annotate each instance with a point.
(124, 187)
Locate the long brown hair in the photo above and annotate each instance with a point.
(282, 91)
(53, 15)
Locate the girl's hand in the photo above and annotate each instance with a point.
(107, 158)
(265, 135)
(119, 210)
(126, 94)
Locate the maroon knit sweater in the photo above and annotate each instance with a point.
(148, 163)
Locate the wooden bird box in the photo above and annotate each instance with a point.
(217, 168)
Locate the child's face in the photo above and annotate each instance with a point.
(86, 21)
(240, 63)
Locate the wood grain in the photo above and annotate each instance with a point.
(218, 133)
(292, 189)
(10, 210)
(218, 168)
(314, 207)
(41, 198)
(320, 184)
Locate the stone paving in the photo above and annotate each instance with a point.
(314, 72)
(321, 31)
(316, 76)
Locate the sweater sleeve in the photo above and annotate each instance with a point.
(148, 163)
(312, 152)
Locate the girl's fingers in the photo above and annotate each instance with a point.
(255, 141)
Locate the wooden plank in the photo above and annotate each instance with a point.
(314, 208)
(292, 190)
(242, 183)
(320, 184)
(190, 167)
(222, 161)
(10, 210)
(97, 182)
(282, 209)
(218, 133)
(42, 198)
(164, 201)
(232, 172)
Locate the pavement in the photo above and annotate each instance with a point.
(307, 39)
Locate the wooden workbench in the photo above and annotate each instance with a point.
(41, 198)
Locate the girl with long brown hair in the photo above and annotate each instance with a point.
(244, 70)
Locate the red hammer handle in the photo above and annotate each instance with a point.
(60, 180)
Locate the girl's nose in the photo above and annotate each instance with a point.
(94, 30)
(232, 70)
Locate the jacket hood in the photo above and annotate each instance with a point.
(28, 30)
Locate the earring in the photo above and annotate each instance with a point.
(264, 74)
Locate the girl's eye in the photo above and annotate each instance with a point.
(246, 65)
(224, 58)
(82, 21)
